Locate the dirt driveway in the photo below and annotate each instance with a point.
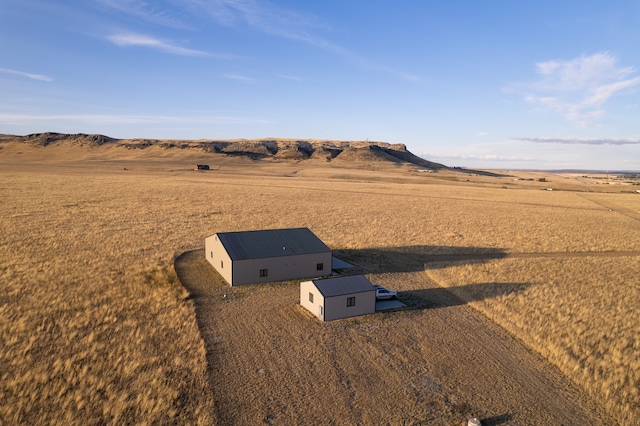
(438, 362)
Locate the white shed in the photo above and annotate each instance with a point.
(336, 298)
(253, 257)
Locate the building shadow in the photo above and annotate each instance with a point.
(496, 420)
(414, 258)
(440, 297)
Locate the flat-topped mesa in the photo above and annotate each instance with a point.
(49, 138)
(256, 149)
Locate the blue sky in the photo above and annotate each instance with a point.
(492, 84)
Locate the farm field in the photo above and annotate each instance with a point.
(521, 301)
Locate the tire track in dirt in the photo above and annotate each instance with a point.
(612, 206)
(197, 280)
(531, 377)
(411, 196)
(477, 257)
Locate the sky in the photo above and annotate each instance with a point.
(495, 84)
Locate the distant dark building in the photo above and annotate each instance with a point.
(201, 167)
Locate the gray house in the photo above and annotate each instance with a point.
(253, 257)
(336, 298)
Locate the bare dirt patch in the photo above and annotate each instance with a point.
(438, 362)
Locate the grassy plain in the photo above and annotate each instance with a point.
(95, 327)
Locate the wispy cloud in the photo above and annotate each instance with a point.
(7, 118)
(149, 11)
(239, 77)
(260, 15)
(578, 88)
(583, 141)
(130, 39)
(26, 74)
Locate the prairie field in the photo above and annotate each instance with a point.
(96, 325)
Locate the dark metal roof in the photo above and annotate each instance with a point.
(271, 243)
(343, 285)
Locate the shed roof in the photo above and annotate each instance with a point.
(271, 243)
(343, 285)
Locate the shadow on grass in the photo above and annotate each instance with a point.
(201, 280)
(433, 298)
(421, 258)
(414, 258)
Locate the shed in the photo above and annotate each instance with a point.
(253, 257)
(336, 298)
(201, 167)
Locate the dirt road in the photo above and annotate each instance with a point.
(438, 362)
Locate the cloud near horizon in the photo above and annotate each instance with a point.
(582, 141)
(9, 118)
(39, 77)
(578, 88)
(487, 157)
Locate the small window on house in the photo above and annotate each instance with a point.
(351, 301)
(212, 255)
(310, 297)
(264, 272)
(221, 264)
(319, 266)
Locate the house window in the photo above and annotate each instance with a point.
(212, 255)
(319, 266)
(221, 264)
(351, 301)
(310, 297)
(264, 272)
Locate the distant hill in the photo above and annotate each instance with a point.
(49, 138)
(257, 149)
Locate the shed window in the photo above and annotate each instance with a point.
(351, 301)
(319, 266)
(221, 264)
(310, 297)
(212, 254)
(264, 272)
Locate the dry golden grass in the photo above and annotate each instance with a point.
(93, 323)
(94, 326)
(578, 312)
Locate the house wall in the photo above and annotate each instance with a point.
(215, 253)
(280, 268)
(336, 307)
(307, 287)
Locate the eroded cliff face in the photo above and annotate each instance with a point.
(285, 149)
(49, 138)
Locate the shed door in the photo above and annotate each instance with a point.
(320, 311)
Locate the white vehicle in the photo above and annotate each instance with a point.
(384, 293)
